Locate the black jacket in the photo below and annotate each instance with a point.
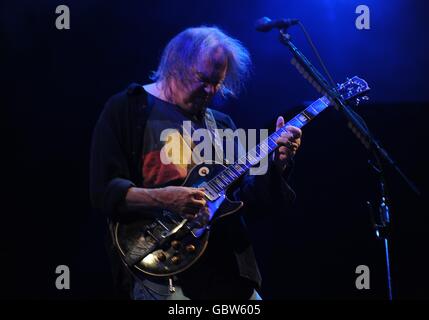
(115, 166)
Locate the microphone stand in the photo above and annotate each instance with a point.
(362, 133)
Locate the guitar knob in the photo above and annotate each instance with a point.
(175, 259)
(175, 244)
(161, 256)
(190, 248)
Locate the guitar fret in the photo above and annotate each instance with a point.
(246, 166)
(314, 110)
(310, 112)
(229, 174)
(303, 117)
(227, 178)
(224, 183)
(295, 122)
(223, 179)
(265, 147)
(325, 101)
(215, 187)
(283, 129)
(276, 135)
(219, 182)
(237, 167)
(273, 144)
(233, 173)
(260, 151)
(260, 154)
(307, 115)
(242, 161)
(319, 105)
(253, 160)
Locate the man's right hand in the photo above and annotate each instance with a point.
(186, 201)
(189, 202)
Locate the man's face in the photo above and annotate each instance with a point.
(209, 75)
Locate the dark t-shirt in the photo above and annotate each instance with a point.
(167, 136)
(120, 158)
(215, 274)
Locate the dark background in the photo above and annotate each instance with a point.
(54, 86)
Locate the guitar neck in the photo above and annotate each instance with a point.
(234, 171)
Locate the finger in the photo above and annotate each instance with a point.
(292, 146)
(280, 122)
(288, 149)
(286, 134)
(284, 142)
(295, 132)
(198, 203)
(282, 150)
(198, 195)
(284, 138)
(198, 191)
(298, 142)
(287, 141)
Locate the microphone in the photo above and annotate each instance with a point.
(265, 24)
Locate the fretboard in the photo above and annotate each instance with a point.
(229, 175)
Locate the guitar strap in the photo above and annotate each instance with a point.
(214, 135)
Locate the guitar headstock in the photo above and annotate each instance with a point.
(354, 88)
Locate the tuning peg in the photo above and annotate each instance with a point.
(366, 98)
(357, 101)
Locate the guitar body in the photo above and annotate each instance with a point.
(149, 244)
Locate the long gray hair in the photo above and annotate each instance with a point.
(181, 55)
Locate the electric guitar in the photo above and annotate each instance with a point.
(163, 243)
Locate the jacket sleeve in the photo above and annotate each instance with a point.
(109, 163)
(265, 192)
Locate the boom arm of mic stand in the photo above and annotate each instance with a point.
(360, 131)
